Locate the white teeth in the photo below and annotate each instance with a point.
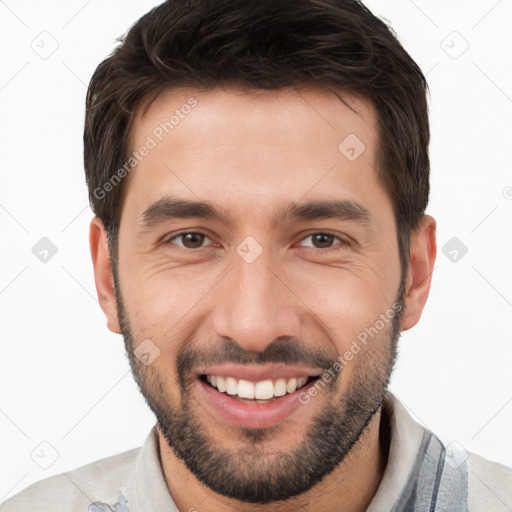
(280, 387)
(262, 390)
(231, 386)
(221, 384)
(291, 385)
(245, 389)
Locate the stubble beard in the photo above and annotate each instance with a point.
(251, 472)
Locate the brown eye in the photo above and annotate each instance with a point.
(323, 241)
(189, 240)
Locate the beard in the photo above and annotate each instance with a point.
(251, 472)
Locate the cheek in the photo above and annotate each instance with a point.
(346, 301)
(162, 302)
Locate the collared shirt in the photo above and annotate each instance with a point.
(421, 475)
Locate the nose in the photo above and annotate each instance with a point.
(256, 304)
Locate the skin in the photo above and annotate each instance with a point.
(250, 153)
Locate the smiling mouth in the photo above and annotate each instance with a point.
(263, 391)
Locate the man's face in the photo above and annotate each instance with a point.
(262, 292)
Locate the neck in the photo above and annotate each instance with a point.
(349, 488)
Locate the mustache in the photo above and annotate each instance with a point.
(285, 350)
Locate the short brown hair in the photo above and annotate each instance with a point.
(262, 44)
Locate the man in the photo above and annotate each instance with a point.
(259, 173)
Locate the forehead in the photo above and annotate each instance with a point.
(247, 109)
(227, 144)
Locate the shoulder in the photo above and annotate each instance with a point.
(76, 489)
(489, 485)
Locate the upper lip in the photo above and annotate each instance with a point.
(257, 373)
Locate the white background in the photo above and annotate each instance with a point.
(64, 377)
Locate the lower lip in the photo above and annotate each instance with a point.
(252, 415)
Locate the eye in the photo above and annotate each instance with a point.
(323, 240)
(189, 240)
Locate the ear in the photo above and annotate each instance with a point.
(103, 276)
(421, 266)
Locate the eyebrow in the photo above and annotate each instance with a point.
(171, 208)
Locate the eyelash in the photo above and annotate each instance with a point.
(342, 242)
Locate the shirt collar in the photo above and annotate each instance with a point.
(405, 439)
(149, 488)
